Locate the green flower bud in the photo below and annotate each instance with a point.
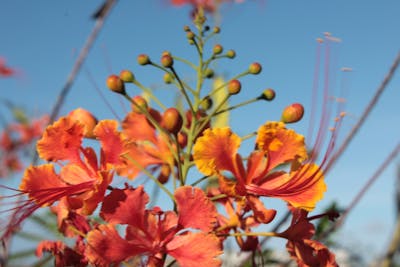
(231, 53)
(217, 49)
(168, 78)
(268, 94)
(206, 103)
(209, 73)
(143, 59)
(127, 76)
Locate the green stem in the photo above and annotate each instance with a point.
(148, 91)
(238, 105)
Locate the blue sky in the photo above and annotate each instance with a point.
(43, 39)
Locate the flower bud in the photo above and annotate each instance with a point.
(172, 120)
(115, 84)
(292, 113)
(216, 29)
(209, 73)
(167, 61)
(168, 78)
(182, 139)
(231, 53)
(190, 35)
(217, 49)
(268, 94)
(234, 87)
(86, 118)
(186, 28)
(164, 174)
(139, 104)
(127, 76)
(206, 103)
(255, 68)
(143, 59)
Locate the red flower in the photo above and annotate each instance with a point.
(6, 71)
(301, 247)
(150, 234)
(64, 255)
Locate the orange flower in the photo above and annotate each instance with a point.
(82, 180)
(153, 233)
(143, 146)
(302, 186)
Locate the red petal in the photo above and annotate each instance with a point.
(125, 206)
(261, 214)
(105, 246)
(195, 249)
(195, 209)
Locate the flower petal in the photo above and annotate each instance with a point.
(282, 145)
(216, 151)
(105, 246)
(111, 141)
(302, 188)
(61, 140)
(195, 249)
(261, 214)
(195, 209)
(137, 127)
(41, 183)
(311, 253)
(125, 206)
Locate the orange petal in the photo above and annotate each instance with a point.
(135, 159)
(281, 144)
(61, 140)
(302, 188)
(195, 209)
(137, 128)
(195, 249)
(74, 174)
(216, 151)
(111, 141)
(39, 182)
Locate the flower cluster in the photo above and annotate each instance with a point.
(169, 147)
(16, 140)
